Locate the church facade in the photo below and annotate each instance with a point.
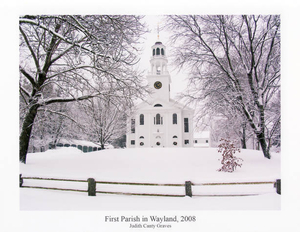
(160, 121)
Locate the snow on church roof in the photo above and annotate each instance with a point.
(171, 104)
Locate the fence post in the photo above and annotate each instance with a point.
(277, 185)
(21, 180)
(91, 187)
(188, 188)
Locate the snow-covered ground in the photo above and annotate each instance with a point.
(164, 165)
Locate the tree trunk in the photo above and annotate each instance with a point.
(264, 146)
(243, 140)
(26, 132)
(261, 135)
(243, 143)
(262, 141)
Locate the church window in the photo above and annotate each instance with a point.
(175, 143)
(162, 52)
(132, 142)
(174, 118)
(153, 52)
(133, 125)
(142, 119)
(186, 125)
(157, 119)
(196, 141)
(142, 137)
(157, 51)
(141, 144)
(175, 137)
(158, 143)
(186, 141)
(157, 105)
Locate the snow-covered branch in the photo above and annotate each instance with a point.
(234, 64)
(69, 99)
(65, 39)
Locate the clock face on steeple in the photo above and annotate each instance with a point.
(157, 85)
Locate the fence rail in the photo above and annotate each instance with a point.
(91, 190)
(145, 184)
(235, 183)
(56, 179)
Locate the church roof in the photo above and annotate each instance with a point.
(167, 105)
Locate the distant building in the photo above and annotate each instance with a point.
(202, 139)
(160, 121)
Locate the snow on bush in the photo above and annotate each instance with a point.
(229, 161)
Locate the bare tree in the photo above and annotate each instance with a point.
(64, 52)
(232, 59)
(103, 120)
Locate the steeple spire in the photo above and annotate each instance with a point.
(157, 31)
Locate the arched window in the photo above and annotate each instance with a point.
(174, 118)
(157, 119)
(175, 137)
(142, 137)
(153, 52)
(157, 51)
(142, 119)
(157, 105)
(162, 52)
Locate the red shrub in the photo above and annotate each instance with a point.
(229, 161)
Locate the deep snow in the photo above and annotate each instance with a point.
(148, 165)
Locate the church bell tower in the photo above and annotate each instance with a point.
(158, 77)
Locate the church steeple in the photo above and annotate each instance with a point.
(159, 77)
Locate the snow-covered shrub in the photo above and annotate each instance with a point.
(229, 161)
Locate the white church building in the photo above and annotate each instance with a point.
(160, 121)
